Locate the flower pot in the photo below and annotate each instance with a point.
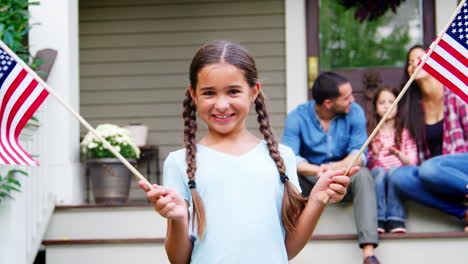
(110, 180)
(139, 134)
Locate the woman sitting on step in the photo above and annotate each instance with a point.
(438, 121)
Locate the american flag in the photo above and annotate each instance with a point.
(20, 96)
(448, 63)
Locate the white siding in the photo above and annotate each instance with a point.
(135, 55)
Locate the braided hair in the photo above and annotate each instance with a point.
(234, 54)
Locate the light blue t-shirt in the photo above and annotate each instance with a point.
(242, 196)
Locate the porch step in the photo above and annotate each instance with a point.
(425, 248)
(105, 221)
(135, 234)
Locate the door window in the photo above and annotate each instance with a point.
(345, 42)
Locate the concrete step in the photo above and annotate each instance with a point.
(339, 219)
(135, 233)
(427, 248)
(105, 222)
(418, 248)
(140, 220)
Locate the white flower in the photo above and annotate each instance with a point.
(117, 137)
(92, 145)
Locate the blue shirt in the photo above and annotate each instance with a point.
(243, 197)
(306, 137)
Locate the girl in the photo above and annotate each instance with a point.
(231, 197)
(391, 148)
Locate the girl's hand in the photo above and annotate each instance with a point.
(167, 202)
(394, 151)
(377, 146)
(333, 184)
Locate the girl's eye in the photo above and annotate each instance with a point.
(234, 91)
(208, 93)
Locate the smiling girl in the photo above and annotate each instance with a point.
(232, 197)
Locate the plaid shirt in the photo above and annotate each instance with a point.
(455, 137)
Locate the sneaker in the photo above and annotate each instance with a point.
(371, 260)
(396, 227)
(381, 227)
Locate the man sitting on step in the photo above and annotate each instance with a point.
(327, 133)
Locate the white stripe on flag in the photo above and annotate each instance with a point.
(455, 45)
(29, 101)
(452, 78)
(452, 60)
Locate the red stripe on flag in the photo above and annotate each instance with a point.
(446, 46)
(27, 115)
(449, 67)
(14, 85)
(445, 82)
(3, 159)
(14, 111)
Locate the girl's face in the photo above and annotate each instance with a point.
(414, 57)
(383, 103)
(223, 98)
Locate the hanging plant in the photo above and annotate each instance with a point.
(371, 9)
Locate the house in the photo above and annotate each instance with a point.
(123, 61)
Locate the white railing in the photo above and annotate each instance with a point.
(39, 200)
(24, 220)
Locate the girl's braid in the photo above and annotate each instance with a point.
(190, 128)
(293, 202)
(264, 121)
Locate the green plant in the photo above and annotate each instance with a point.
(347, 43)
(14, 26)
(117, 137)
(9, 183)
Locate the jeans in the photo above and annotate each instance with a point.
(389, 204)
(440, 182)
(361, 191)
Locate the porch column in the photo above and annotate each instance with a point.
(296, 57)
(59, 134)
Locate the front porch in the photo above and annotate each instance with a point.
(125, 61)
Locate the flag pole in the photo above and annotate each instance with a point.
(402, 92)
(75, 114)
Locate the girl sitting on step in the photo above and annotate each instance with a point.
(391, 148)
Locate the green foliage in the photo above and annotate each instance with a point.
(347, 43)
(9, 184)
(14, 27)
